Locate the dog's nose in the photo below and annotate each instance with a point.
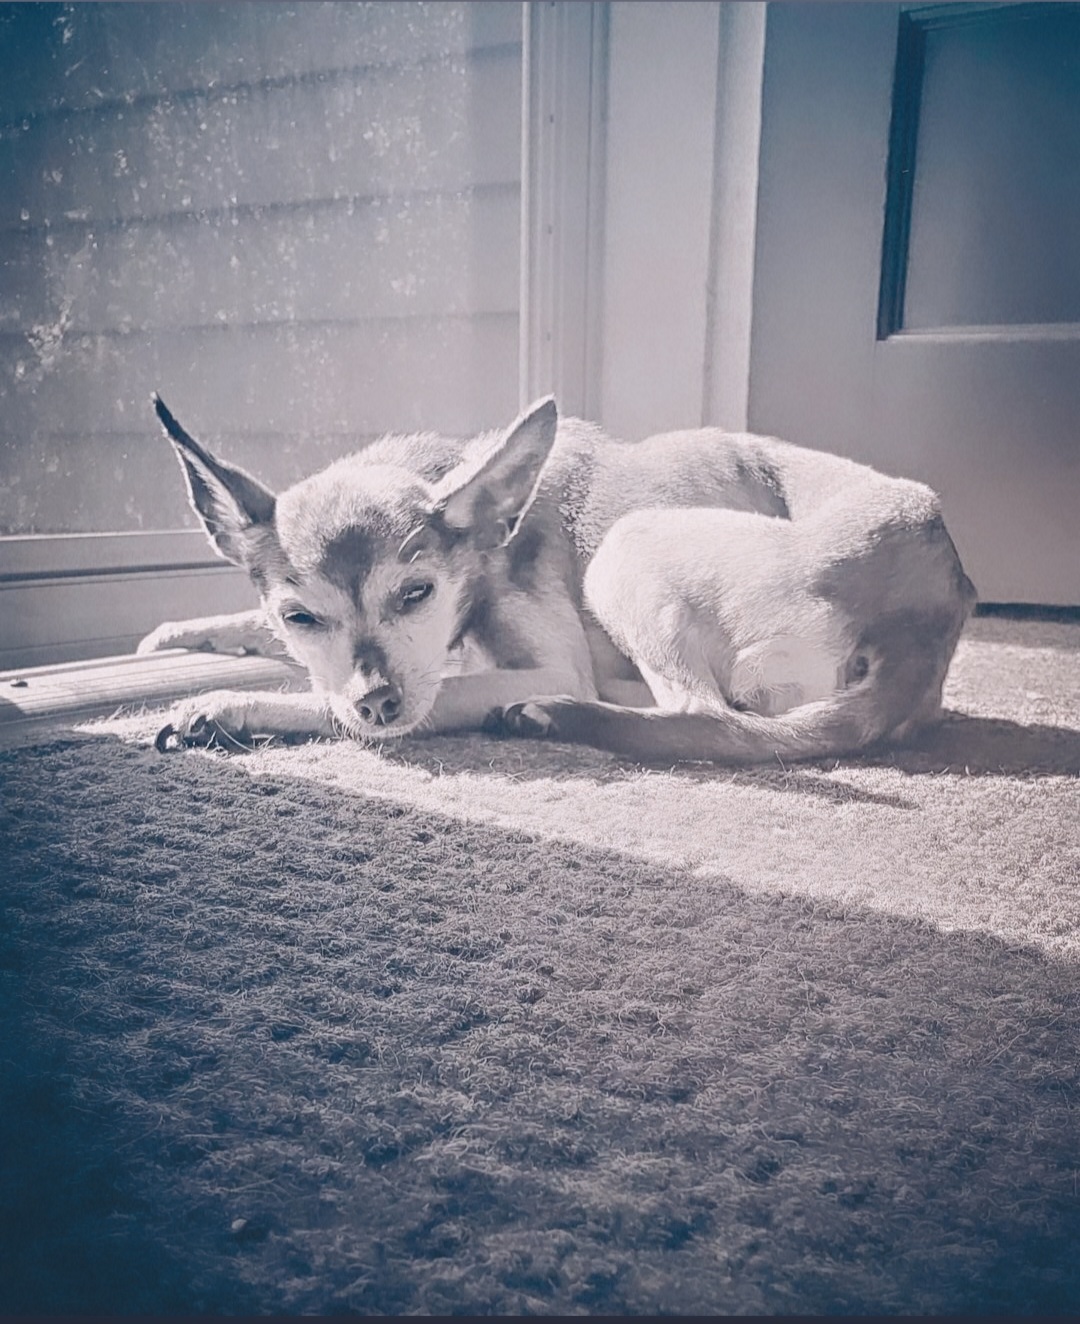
(380, 707)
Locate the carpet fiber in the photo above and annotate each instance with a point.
(477, 1026)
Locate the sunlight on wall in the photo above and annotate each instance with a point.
(299, 223)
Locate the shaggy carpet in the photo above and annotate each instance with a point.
(478, 1026)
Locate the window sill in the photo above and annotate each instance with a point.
(66, 598)
(40, 702)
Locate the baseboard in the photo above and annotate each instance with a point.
(1029, 611)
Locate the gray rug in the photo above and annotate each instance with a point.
(490, 1027)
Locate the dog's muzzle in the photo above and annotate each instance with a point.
(379, 707)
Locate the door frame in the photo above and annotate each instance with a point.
(634, 356)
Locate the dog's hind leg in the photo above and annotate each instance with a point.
(892, 692)
(745, 661)
(894, 689)
(650, 735)
(714, 610)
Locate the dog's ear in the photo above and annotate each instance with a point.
(488, 495)
(230, 503)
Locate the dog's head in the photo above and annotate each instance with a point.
(367, 571)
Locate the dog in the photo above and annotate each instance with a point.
(699, 595)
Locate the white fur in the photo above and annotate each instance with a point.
(723, 615)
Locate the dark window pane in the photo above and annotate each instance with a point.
(995, 220)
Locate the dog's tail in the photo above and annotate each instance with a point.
(900, 692)
(830, 727)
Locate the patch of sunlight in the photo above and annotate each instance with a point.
(997, 854)
(984, 834)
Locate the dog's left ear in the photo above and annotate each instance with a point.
(228, 501)
(488, 496)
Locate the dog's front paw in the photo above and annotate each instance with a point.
(221, 720)
(174, 634)
(537, 719)
(237, 632)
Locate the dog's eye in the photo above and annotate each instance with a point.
(302, 619)
(413, 594)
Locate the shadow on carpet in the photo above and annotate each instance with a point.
(958, 746)
(276, 1046)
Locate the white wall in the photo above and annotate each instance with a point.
(659, 184)
(300, 224)
(726, 387)
(683, 130)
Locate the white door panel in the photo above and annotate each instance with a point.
(920, 354)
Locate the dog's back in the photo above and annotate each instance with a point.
(840, 506)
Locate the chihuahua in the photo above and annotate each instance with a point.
(700, 595)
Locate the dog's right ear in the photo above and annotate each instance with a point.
(228, 501)
(489, 495)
